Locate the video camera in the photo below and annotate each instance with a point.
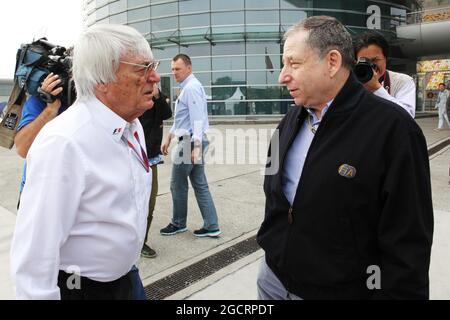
(364, 69)
(38, 59)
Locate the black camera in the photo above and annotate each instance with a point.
(364, 69)
(36, 61)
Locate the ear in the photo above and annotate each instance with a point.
(334, 62)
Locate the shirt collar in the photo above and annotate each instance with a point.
(185, 81)
(113, 124)
(324, 110)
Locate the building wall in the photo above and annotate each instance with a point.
(235, 45)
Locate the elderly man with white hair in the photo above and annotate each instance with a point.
(82, 218)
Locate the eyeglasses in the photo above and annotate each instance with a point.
(150, 66)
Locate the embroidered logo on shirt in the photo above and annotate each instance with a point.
(117, 131)
(347, 171)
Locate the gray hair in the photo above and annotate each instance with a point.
(98, 52)
(325, 34)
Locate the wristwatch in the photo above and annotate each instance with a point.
(45, 96)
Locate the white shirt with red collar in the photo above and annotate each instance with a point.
(85, 203)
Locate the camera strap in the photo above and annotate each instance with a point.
(386, 82)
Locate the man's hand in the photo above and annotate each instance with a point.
(49, 85)
(195, 154)
(373, 84)
(166, 144)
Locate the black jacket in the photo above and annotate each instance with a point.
(152, 122)
(341, 226)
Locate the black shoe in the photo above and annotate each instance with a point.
(171, 230)
(148, 252)
(207, 233)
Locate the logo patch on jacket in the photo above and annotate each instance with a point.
(347, 171)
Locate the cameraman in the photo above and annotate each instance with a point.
(396, 87)
(35, 114)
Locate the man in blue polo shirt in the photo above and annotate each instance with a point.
(35, 114)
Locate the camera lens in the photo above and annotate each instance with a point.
(364, 70)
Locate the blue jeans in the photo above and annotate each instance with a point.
(181, 170)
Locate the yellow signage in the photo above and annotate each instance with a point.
(433, 65)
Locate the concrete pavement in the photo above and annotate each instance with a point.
(237, 192)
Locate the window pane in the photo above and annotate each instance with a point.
(99, 3)
(294, 4)
(197, 20)
(272, 4)
(261, 17)
(102, 13)
(224, 78)
(165, 53)
(263, 62)
(187, 6)
(118, 6)
(234, 103)
(165, 9)
(139, 14)
(164, 24)
(136, 3)
(103, 21)
(143, 27)
(201, 64)
(164, 66)
(120, 18)
(228, 48)
(292, 17)
(227, 18)
(265, 107)
(196, 50)
(261, 47)
(228, 63)
(231, 92)
(269, 92)
(204, 78)
(227, 4)
(262, 77)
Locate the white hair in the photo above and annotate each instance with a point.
(98, 52)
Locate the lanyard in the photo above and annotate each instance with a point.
(143, 157)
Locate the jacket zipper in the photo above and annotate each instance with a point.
(290, 216)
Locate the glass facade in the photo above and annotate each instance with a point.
(235, 45)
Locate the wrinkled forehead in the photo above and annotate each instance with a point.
(137, 57)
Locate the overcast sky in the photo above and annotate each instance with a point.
(21, 21)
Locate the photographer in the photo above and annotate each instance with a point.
(393, 86)
(36, 113)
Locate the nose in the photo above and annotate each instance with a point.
(154, 77)
(284, 77)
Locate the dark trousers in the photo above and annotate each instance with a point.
(120, 289)
(151, 206)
